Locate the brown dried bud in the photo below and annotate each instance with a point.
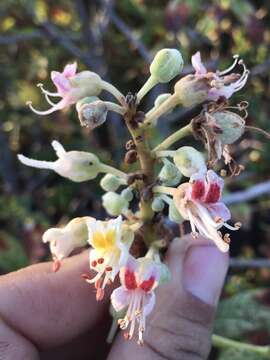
(192, 90)
(131, 157)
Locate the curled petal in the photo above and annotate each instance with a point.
(61, 82)
(120, 298)
(197, 64)
(70, 70)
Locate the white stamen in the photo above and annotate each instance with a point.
(47, 92)
(230, 68)
(46, 112)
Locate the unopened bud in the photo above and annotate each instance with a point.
(110, 182)
(157, 204)
(174, 214)
(127, 194)
(86, 100)
(85, 83)
(93, 115)
(167, 64)
(189, 161)
(169, 174)
(191, 90)
(114, 203)
(161, 98)
(231, 124)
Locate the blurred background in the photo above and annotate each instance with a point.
(117, 39)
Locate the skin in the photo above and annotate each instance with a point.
(46, 315)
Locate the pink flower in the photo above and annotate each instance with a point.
(138, 278)
(71, 87)
(222, 83)
(199, 201)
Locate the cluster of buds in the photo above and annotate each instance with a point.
(130, 244)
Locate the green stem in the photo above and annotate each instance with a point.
(111, 170)
(150, 83)
(115, 107)
(114, 91)
(178, 135)
(224, 343)
(165, 153)
(164, 190)
(166, 106)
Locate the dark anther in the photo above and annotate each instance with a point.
(139, 138)
(130, 145)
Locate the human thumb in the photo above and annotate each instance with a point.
(180, 326)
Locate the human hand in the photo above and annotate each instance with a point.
(55, 315)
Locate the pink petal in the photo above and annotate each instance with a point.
(70, 70)
(219, 210)
(212, 177)
(150, 300)
(197, 64)
(120, 298)
(225, 91)
(61, 83)
(131, 266)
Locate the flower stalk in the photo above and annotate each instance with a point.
(173, 138)
(225, 343)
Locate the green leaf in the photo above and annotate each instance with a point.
(12, 254)
(243, 314)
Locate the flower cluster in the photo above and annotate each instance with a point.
(130, 244)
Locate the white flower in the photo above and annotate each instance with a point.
(71, 87)
(77, 166)
(138, 278)
(109, 252)
(64, 240)
(199, 201)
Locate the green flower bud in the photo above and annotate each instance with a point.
(174, 214)
(86, 100)
(127, 194)
(93, 115)
(85, 83)
(78, 166)
(110, 182)
(231, 124)
(167, 64)
(191, 90)
(157, 204)
(114, 203)
(169, 174)
(161, 98)
(189, 161)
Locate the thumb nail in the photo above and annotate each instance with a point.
(205, 268)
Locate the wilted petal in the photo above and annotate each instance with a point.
(197, 64)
